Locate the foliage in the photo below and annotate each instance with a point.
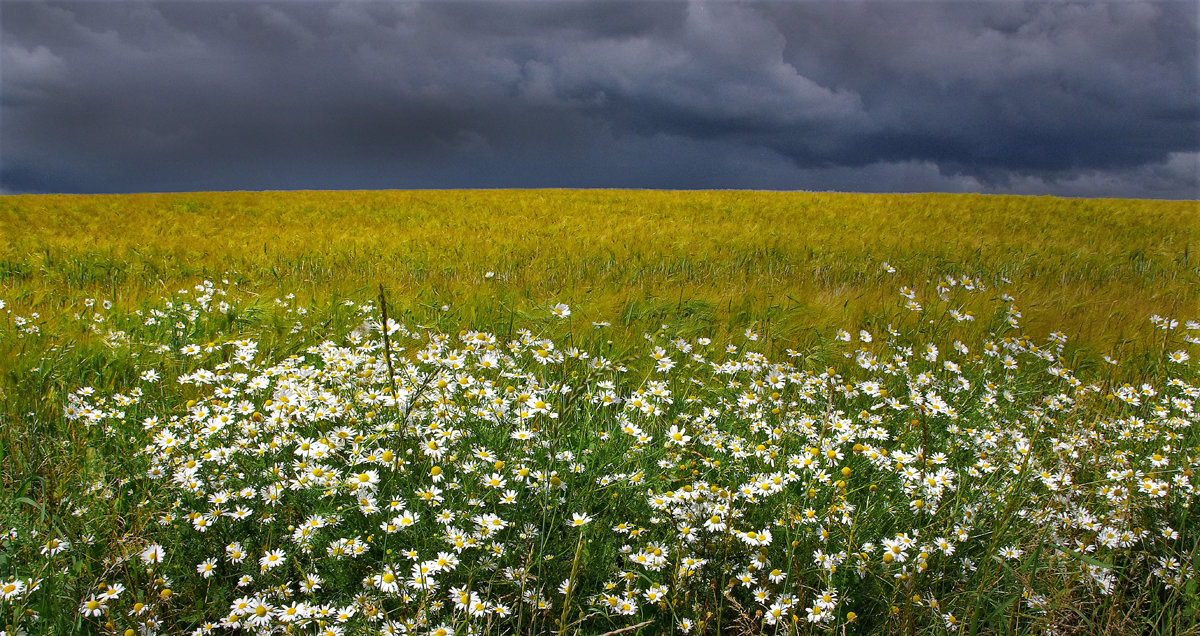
(202, 434)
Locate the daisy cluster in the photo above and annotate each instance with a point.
(403, 480)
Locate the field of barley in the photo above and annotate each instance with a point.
(598, 412)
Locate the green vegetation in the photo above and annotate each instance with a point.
(598, 412)
(721, 261)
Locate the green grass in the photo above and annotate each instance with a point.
(725, 260)
(1079, 445)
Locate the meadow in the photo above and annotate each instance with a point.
(597, 412)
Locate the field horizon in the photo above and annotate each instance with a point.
(595, 189)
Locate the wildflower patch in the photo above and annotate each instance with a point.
(903, 477)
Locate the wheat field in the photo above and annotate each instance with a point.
(792, 262)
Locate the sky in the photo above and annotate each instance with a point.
(1096, 99)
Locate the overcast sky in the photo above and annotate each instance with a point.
(1091, 99)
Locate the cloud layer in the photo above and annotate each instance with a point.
(1095, 99)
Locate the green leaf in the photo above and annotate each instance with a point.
(1090, 560)
(1031, 566)
(41, 508)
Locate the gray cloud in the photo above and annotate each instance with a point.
(1095, 99)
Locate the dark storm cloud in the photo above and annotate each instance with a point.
(1096, 99)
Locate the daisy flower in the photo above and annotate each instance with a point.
(271, 559)
(153, 554)
(579, 519)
